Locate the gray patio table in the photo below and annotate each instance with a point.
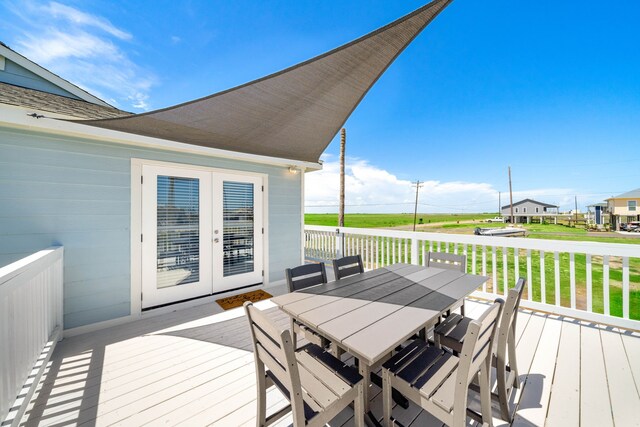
(370, 314)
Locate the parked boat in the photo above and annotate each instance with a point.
(504, 231)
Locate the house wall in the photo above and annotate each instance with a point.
(77, 193)
(620, 207)
(19, 76)
(531, 209)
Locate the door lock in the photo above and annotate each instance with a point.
(216, 240)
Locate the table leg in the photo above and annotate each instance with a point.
(365, 371)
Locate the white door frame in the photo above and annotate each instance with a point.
(136, 222)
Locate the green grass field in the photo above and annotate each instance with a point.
(388, 220)
(541, 231)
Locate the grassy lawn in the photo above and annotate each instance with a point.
(539, 231)
(387, 220)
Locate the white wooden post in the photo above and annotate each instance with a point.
(589, 284)
(543, 284)
(556, 270)
(605, 283)
(572, 273)
(414, 251)
(625, 287)
(339, 244)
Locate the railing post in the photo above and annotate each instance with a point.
(625, 287)
(414, 251)
(339, 243)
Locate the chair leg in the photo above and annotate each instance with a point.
(462, 309)
(513, 363)
(485, 393)
(436, 341)
(503, 398)
(386, 399)
(293, 335)
(358, 407)
(261, 401)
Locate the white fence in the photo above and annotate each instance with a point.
(30, 325)
(595, 281)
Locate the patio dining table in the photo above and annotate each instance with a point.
(370, 314)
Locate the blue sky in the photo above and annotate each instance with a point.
(550, 88)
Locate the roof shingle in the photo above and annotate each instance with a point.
(48, 102)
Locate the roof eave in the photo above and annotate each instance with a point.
(19, 118)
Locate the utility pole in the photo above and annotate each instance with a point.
(576, 210)
(418, 186)
(499, 203)
(513, 220)
(343, 142)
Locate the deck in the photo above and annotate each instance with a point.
(195, 367)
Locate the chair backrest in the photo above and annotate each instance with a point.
(447, 260)
(273, 349)
(508, 321)
(305, 275)
(478, 344)
(347, 266)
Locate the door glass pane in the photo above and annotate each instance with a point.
(237, 216)
(178, 231)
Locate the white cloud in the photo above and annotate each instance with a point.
(84, 49)
(80, 18)
(369, 189)
(60, 45)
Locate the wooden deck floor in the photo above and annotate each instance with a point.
(192, 367)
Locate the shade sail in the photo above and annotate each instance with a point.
(293, 114)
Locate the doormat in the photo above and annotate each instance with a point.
(237, 300)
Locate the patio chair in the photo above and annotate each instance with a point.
(450, 262)
(451, 334)
(347, 266)
(438, 381)
(317, 385)
(302, 277)
(447, 261)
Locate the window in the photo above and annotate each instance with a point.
(238, 224)
(524, 210)
(178, 231)
(544, 209)
(537, 210)
(516, 210)
(632, 205)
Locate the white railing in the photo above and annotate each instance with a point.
(30, 325)
(588, 280)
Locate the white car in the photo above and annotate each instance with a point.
(496, 219)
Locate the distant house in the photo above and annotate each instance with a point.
(624, 208)
(525, 210)
(596, 214)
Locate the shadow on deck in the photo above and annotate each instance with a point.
(195, 367)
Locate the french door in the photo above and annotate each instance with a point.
(202, 233)
(237, 231)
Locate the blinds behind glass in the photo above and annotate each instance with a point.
(238, 227)
(178, 261)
